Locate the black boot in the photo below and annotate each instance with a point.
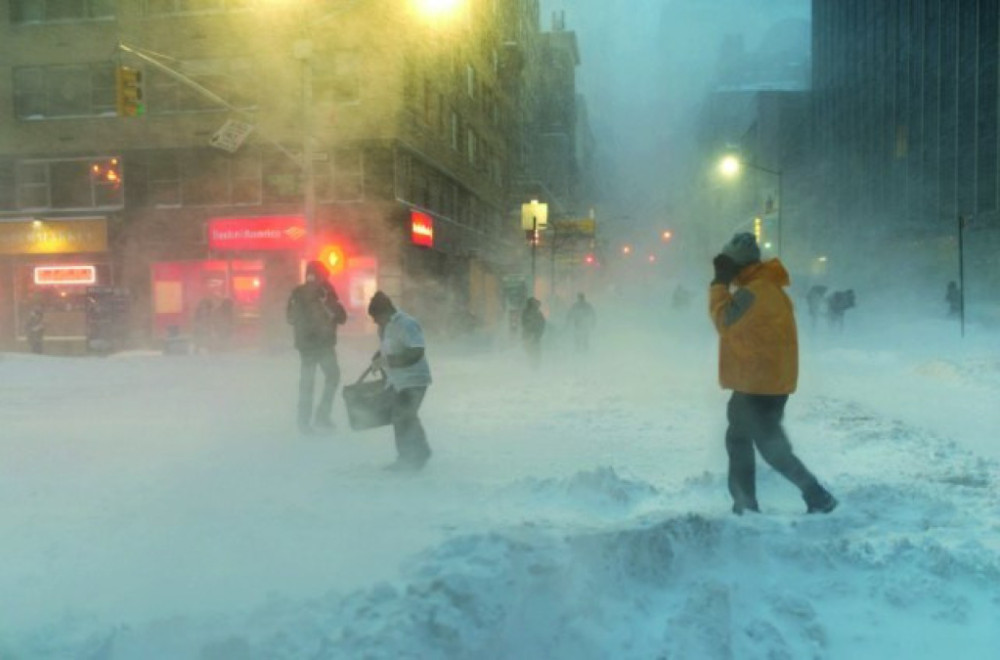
(819, 500)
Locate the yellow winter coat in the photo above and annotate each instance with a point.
(758, 343)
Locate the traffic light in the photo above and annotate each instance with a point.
(332, 257)
(128, 87)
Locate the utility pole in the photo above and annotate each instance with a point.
(961, 273)
(303, 52)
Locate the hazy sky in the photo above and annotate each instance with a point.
(646, 65)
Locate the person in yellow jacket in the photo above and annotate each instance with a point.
(759, 362)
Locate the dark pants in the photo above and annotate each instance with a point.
(326, 360)
(755, 419)
(411, 441)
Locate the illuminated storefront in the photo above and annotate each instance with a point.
(252, 266)
(54, 265)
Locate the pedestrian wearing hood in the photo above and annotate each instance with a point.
(401, 356)
(314, 311)
(758, 361)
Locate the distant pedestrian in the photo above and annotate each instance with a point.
(202, 325)
(758, 361)
(403, 358)
(813, 300)
(532, 329)
(34, 329)
(581, 318)
(837, 303)
(314, 311)
(223, 323)
(953, 296)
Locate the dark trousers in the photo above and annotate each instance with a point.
(326, 360)
(755, 419)
(411, 440)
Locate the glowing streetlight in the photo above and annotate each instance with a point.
(437, 8)
(729, 166)
(626, 250)
(666, 236)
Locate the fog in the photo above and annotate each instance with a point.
(161, 504)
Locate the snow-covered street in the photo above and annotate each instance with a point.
(164, 507)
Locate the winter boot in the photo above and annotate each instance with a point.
(819, 500)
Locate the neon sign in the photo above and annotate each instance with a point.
(421, 229)
(65, 275)
(276, 232)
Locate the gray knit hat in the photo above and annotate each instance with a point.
(742, 249)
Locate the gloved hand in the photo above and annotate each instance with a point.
(726, 269)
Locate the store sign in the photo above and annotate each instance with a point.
(65, 275)
(53, 236)
(267, 233)
(421, 229)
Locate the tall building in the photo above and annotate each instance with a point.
(906, 115)
(378, 138)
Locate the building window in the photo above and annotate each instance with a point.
(471, 143)
(231, 80)
(470, 81)
(454, 130)
(73, 183)
(338, 78)
(282, 179)
(167, 7)
(85, 90)
(348, 175)
(164, 180)
(46, 11)
(215, 179)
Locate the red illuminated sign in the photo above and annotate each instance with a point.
(64, 275)
(276, 232)
(421, 229)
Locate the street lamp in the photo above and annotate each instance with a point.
(730, 166)
(437, 8)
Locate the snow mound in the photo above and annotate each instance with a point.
(680, 587)
(600, 489)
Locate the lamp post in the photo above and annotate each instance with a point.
(534, 218)
(730, 166)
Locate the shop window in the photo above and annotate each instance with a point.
(44, 11)
(84, 90)
(230, 79)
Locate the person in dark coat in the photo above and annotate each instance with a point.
(202, 325)
(758, 361)
(582, 319)
(223, 323)
(34, 329)
(837, 303)
(813, 299)
(532, 329)
(401, 356)
(314, 311)
(953, 296)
